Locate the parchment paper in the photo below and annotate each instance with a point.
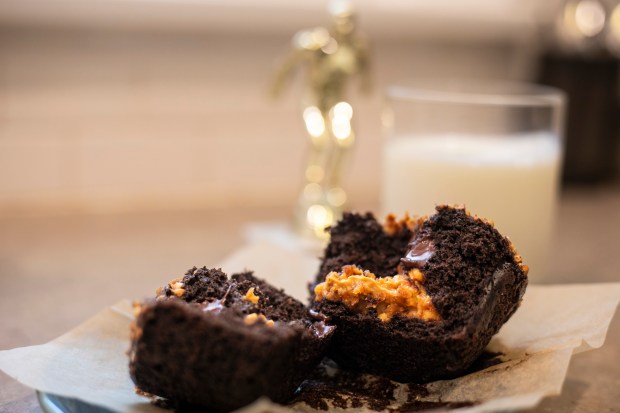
(89, 363)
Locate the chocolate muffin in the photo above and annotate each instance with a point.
(418, 299)
(221, 343)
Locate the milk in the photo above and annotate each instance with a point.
(510, 179)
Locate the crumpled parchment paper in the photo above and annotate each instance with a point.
(89, 363)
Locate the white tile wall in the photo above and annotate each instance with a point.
(99, 121)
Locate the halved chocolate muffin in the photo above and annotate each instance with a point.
(221, 343)
(418, 299)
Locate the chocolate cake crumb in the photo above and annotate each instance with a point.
(416, 391)
(419, 406)
(415, 402)
(330, 386)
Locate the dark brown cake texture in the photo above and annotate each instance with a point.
(221, 343)
(459, 280)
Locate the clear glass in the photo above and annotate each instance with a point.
(496, 148)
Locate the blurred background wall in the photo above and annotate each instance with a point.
(137, 105)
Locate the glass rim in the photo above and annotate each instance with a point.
(489, 93)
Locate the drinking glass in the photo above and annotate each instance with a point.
(494, 147)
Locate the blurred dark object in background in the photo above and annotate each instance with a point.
(591, 84)
(581, 58)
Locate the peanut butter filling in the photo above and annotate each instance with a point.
(393, 225)
(253, 318)
(360, 291)
(251, 296)
(176, 286)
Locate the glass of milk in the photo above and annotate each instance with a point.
(496, 148)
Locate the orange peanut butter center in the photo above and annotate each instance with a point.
(401, 294)
(251, 296)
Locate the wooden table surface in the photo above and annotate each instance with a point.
(56, 272)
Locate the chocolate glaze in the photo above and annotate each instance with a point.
(321, 329)
(418, 254)
(318, 316)
(214, 306)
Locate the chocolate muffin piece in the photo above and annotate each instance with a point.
(428, 314)
(361, 240)
(221, 343)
